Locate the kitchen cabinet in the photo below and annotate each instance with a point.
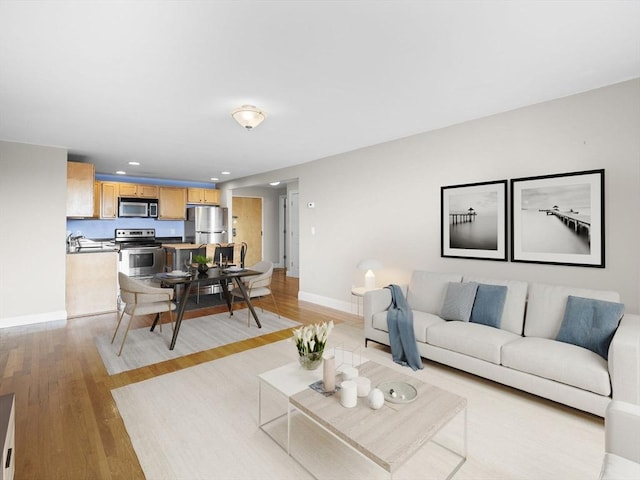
(137, 190)
(91, 283)
(105, 200)
(172, 203)
(8, 435)
(80, 180)
(203, 196)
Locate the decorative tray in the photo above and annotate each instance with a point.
(398, 392)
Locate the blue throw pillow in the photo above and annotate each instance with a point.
(489, 304)
(590, 323)
(458, 301)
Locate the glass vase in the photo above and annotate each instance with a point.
(310, 361)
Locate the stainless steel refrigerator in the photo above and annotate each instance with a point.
(206, 225)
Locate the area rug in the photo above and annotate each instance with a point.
(144, 347)
(202, 422)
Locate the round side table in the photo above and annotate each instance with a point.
(357, 293)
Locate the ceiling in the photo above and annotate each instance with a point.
(155, 82)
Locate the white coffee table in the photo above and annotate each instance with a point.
(291, 379)
(386, 438)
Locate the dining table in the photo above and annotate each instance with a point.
(212, 276)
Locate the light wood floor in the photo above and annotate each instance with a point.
(67, 424)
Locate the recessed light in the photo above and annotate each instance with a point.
(134, 163)
(225, 173)
(273, 184)
(121, 172)
(214, 179)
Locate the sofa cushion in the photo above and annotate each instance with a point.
(488, 305)
(471, 339)
(427, 290)
(514, 304)
(421, 321)
(590, 323)
(545, 309)
(615, 467)
(562, 362)
(458, 301)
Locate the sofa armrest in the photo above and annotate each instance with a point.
(621, 427)
(624, 360)
(375, 301)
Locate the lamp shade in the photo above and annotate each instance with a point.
(369, 264)
(248, 116)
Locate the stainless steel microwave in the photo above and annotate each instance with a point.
(138, 207)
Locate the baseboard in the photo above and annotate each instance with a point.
(325, 301)
(31, 319)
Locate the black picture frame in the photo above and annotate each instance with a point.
(473, 221)
(559, 219)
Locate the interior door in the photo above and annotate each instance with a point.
(293, 269)
(247, 227)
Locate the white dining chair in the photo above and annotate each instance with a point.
(142, 299)
(257, 286)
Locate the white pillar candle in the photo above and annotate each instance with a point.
(328, 372)
(376, 398)
(349, 394)
(349, 373)
(363, 385)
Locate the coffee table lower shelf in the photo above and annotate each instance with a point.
(314, 430)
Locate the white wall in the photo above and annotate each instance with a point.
(33, 193)
(384, 201)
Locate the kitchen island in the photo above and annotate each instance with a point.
(91, 282)
(178, 254)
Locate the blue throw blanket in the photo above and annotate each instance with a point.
(404, 349)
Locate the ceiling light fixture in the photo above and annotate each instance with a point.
(134, 163)
(273, 184)
(225, 173)
(121, 172)
(214, 179)
(248, 116)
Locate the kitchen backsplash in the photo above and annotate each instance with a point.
(101, 229)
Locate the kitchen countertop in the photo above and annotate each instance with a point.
(183, 246)
(92, 250)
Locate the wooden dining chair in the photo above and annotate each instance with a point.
(142, 299)
(257, 286)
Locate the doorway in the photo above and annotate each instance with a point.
(293, 269)
(246, 225)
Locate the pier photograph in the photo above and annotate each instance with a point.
(558, 219)
(473, 220)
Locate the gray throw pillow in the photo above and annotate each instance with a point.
(489, 304)
(590, 323)
(458, 301)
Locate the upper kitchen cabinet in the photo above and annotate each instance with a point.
(80, 179)
(172, 203)
(106, 200)
(203, 196)
(137, 190)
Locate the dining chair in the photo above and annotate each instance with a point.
(243, 253)
(257, 286)
(140, 298)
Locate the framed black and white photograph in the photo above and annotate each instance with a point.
(473, 220)
(558, 219)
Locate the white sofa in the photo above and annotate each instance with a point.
(522, 352)
(622, 448)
